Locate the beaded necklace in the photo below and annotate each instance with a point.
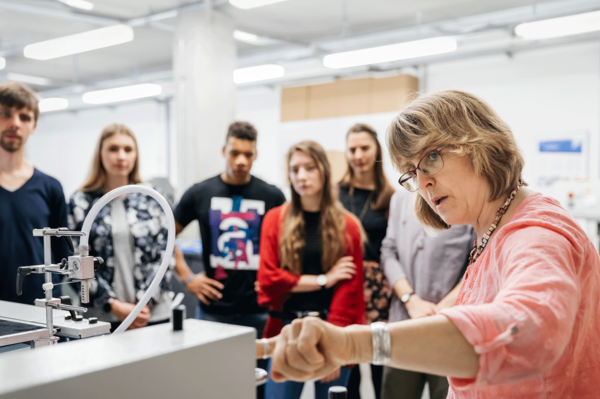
(477, 250)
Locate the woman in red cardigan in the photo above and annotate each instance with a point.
(310, 260)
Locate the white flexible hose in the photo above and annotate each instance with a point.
(87, 225)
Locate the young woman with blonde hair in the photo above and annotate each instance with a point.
(130, 234)
(310, 260)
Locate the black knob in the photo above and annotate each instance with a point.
(22, 272)
(93, 320)
(78, 317)
(65, 299)
(337, 392)
(98, 264)
(178, 317)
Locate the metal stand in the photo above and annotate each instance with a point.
(79, 266)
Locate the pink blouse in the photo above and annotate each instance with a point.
(530, 306)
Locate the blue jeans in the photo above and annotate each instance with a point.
(292, 389)
(254, 320)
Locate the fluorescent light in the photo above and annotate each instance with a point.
(255, 40)
(2, 63)
(53, 104)
(394, 52)
(122, 93)
(244, 37)
(563, 26)
(81, 4)
(80, 42)
(254, 74)
(34, 80)
(247, 4)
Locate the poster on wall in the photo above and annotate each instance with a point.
(562, 156)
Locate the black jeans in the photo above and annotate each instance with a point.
(354, 385)
(403, 384)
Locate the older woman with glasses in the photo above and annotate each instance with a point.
(526, 320)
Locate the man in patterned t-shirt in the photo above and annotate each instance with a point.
(229, 208)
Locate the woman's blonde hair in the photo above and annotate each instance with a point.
(97, 175)
(333, 225)
(383, 188)
(466, 124)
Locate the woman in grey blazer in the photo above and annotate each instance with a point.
(425, 273)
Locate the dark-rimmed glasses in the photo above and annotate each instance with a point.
(433, 164)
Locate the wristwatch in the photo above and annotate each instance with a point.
(322, 280)
(405, 297)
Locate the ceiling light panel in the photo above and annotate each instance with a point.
(80, 42)
(34, 80)
(257, 73)
(394, 52)
(81, 4)
(53, 104)
(2, 63)
(557, 27)
(247, 4)
(245, 37)
(122, 93)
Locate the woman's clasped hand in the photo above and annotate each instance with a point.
(310, 349)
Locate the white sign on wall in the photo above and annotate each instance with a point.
(561, 156)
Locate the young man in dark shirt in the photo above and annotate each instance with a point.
(29, 199)
(229, 208)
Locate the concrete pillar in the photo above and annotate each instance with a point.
(204, 57)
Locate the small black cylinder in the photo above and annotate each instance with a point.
(338, 393)
(178, 317)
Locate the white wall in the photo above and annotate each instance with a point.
(63, 144)
(543, 91)
(262, 107)
(540, 91)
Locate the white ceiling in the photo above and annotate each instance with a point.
(298, 24)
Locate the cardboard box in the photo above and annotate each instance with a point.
(354, 96)
(294, 103)
(323, 101)
(347, 97)
(339, 165)
(390, 94)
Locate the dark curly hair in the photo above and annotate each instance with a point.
(242, 130)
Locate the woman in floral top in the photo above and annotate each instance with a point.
(130, 234)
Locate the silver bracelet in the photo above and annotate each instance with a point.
(187, 280)
(382, 345)
(265, 343)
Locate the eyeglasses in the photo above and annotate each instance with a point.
(433, 163)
